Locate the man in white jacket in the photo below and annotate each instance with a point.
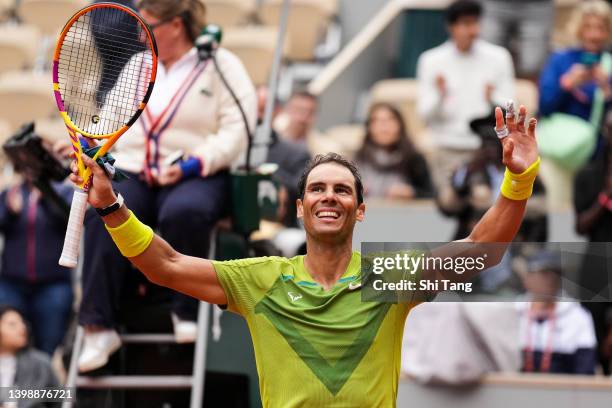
(461, 80)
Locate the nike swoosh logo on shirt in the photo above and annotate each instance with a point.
(354, 285)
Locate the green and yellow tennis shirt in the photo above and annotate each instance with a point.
(316, 348)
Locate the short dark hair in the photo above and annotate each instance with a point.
(331, 158)
(462, 8)
(4, 309)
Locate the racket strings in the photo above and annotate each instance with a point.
(104, 69)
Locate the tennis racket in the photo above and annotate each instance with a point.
(104, 69)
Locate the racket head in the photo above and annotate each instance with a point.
(104, 69)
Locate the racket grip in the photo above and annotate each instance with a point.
(72, 241)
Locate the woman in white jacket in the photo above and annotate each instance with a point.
(191, 115)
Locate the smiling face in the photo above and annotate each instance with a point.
(329, 208)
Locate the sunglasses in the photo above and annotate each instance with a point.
(182, 16)
(161, 22)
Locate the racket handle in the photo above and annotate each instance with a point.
(72, 242)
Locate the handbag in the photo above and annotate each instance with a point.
(569, 140)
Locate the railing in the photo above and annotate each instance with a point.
(511, 390)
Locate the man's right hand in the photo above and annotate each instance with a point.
(441, 85)
(63, 148)
(14, 200)
(576, 76)
(101, 192)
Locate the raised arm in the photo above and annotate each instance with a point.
(148, 252)
(503, 220)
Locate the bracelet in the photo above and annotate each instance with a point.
(111, 208)
(132, 237)
(520, 186)
(191, 167)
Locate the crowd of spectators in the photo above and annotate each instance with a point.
(459, 83)
(560, 337)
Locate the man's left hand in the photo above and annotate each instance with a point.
(520, 146)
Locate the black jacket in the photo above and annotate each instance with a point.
(291, 159)
(33, 239)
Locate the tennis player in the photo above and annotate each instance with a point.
(316, 344)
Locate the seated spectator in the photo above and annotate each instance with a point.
(568, 83)
(459, 81)
(570, 77)
(291, 158)
(31, 280)
(284, 233)
(21, 366)
(296, 122)
(593, 207)
(388, 161)
(177, 156)
(474, 186)
(530, 20)
(556, 336)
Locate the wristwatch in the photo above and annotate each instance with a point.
(111, 208)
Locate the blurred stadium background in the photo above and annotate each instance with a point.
(348, 54)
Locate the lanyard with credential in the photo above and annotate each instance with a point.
(161, 122)
(545, 362)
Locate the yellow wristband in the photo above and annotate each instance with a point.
(520, 186)
(132, 237)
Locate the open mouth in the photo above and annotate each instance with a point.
(327, 214)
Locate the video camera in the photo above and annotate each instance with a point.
(31, 158)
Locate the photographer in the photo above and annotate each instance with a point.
(31, 280)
